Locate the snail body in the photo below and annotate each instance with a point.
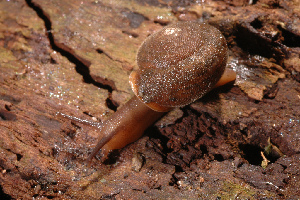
(177, 65)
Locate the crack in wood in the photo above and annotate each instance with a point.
(81, 65)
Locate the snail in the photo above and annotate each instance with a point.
(177, 65)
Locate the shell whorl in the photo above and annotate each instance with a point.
(179, 64)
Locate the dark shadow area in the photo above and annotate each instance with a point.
(252, 154)
(4, 196)
(290, 38)
(256, 43)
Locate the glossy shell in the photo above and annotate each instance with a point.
(179, 64)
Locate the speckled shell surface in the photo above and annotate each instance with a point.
(179, 64)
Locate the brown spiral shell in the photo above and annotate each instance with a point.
(179, 64)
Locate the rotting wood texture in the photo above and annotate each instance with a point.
(75, 57)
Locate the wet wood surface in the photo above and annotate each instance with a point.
(74, 57)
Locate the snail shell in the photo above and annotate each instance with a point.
(179, 64)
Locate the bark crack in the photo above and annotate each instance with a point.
(81, 64)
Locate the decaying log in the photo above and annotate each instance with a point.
(74, 57)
